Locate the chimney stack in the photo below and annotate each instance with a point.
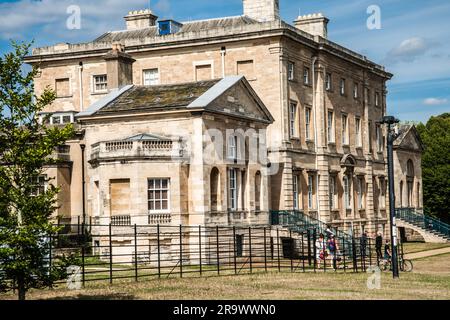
(119, 67)
(315, 24)
(262, 10)
(140, 19)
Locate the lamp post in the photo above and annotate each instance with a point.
(390, 121)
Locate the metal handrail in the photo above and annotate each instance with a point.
(423, 221)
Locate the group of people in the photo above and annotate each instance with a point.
(329, 248)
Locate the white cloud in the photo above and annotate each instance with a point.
(23, 17)
(409, 50)
(434, 101)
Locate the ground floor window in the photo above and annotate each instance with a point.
(232, 189)
(39, 184)
(158, 195)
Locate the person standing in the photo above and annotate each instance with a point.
(378, 246)
(320, 249)
(334, 249)
(363, 247)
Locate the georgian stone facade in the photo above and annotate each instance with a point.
(325, 101)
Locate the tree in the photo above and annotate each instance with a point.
(435, 136)
(26, 148)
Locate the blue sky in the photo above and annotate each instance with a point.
(413, 42)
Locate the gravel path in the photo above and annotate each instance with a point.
(428, 253)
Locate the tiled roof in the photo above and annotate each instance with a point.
(163, 97)
(191, 26)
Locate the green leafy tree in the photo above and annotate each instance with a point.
(26, 148)
(435, 136)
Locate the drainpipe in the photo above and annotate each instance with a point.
(83, 192)
(313, 68)
(222, 54)
(80, 76)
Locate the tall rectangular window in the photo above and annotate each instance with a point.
(360, 193)
(151, 77)
(330, 126)
(291, 70)
(293, 119)
(344, 129)
(342, 87)
(158, 195)
(370, 137)
(295, 190)
(355, 91)
(382, 193)
(100, 83)
(347, 192)
(358, 132)
(306, 75)
(232, 147)
(369, 97)
(377, 99)
(308, 123)
(310, 191)
(328, 82)
(332, 192)
(232, 189)
(379, 137)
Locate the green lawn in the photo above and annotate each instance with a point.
(429, 280)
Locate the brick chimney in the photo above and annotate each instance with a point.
(315, 24)
(140, 19)
(262, 10)
(119, 67)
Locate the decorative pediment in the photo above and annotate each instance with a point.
(348, 162)
(409, 139)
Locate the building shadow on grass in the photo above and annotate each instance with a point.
(116, 296)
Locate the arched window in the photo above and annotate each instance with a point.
(410, 169)
(410, 182)
(215, 189)
(401, 194)
(258, 191)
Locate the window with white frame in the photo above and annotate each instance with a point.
(377, 99)
(151, 77)
(347, 192)
(333, 192)
(232, 188)
(330, 126)
(293, 119)
(382, 193)
(328, 82)
(58, 118)
(39, 185)
(308, 123)
(158, 195)
(358, 132)
(344, 129)
(311, 189)
(379, 136)
(232, 147)
(100, 83)
(360, 193)
(355, 91)
(342, 87)
(306, 76)
(291, 70)
(295, 181)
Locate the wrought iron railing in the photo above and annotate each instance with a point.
(411, 215)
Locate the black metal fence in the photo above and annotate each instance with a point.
(108, 253)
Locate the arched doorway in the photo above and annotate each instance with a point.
(215, 189)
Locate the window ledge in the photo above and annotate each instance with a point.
(97, 93)
(65, 97)
(295, 138)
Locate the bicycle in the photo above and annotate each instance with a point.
(404, 265)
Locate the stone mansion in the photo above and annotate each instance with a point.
(149, 101)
